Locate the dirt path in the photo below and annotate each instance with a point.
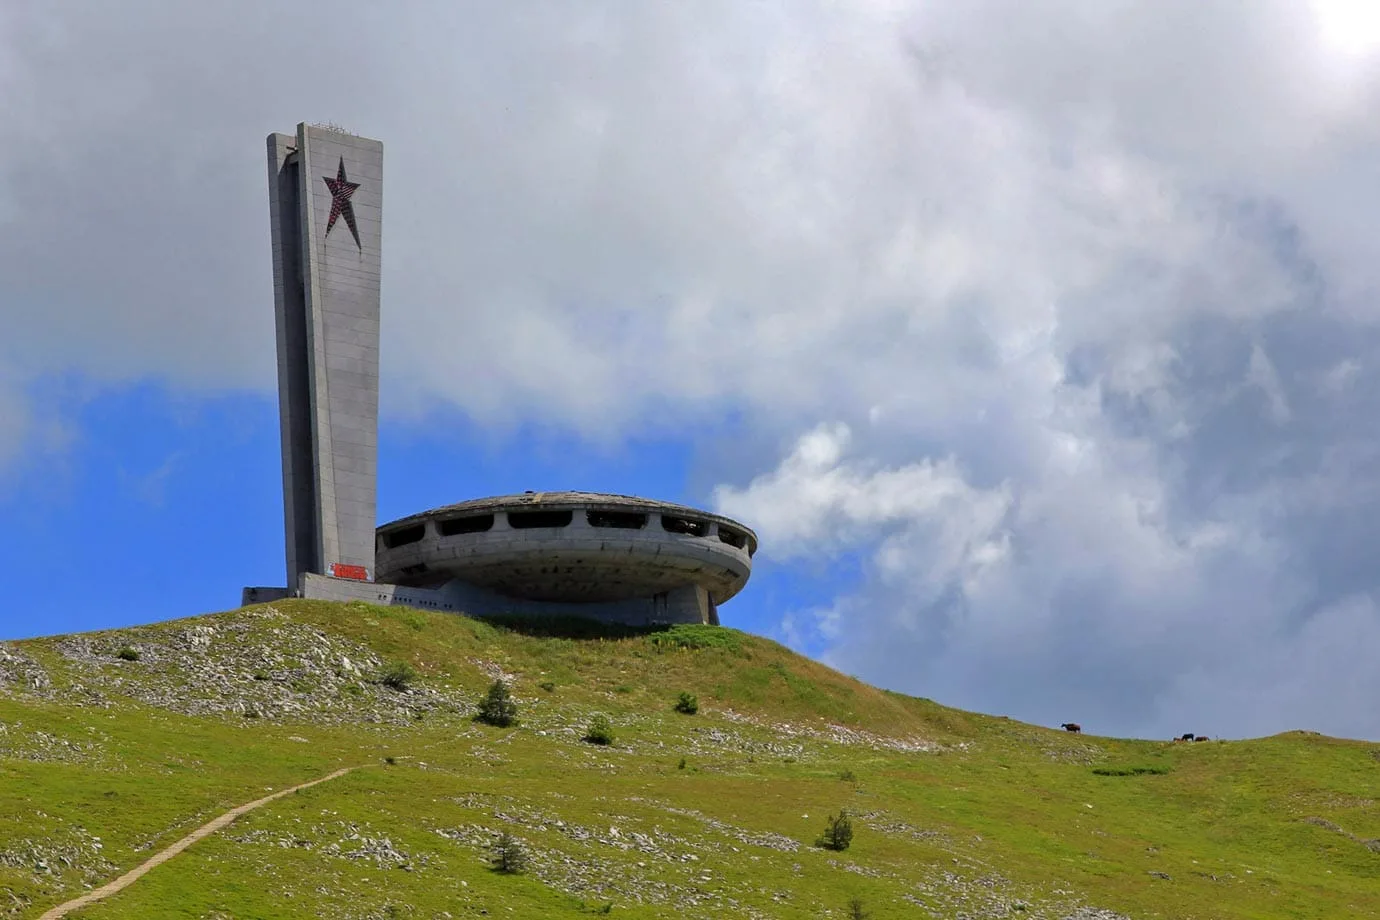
(163, 856)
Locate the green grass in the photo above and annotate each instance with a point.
(952, 810)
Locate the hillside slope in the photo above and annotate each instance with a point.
(113, 745)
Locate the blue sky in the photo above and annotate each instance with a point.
(1040, 347)
(168, 505)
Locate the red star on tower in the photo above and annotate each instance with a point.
(341, 190)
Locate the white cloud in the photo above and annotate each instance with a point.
(1078, 595)
(150, 488)
(1301, 679)
(815, 503)
(1262, 374)
(767, 201)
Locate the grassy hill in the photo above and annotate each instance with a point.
(114, 745)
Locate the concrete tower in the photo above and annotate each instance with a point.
(325, 198)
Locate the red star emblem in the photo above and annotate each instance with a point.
(341, 190)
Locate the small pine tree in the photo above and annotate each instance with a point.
(509, 855)
(687, 704)
(855, 910)
(497, 707)
(600, 730)
(838, 832)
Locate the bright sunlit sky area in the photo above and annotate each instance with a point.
(1038, 342)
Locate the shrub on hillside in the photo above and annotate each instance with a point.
(687, 704)
(600, 730)
(696, 636)
(397, 675)
(497, 707)
(838, 831)
(855, 910)
(508, 854)
(128, 653)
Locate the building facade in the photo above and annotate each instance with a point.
(607, 557)
(325, 204)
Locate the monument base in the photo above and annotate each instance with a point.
(688, 604)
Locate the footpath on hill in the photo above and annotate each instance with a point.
(163, 856)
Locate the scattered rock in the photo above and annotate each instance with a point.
(840, 734)
(259, 665)
(1372, 845)
(20, 674)
(42, 747)
(70, 856)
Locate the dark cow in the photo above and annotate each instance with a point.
(1071, 726)
(1186, 736)
(1202, 738)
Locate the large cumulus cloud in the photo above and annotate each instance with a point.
(1063, 317)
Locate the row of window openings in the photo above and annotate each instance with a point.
(416, 601)
(525, 520)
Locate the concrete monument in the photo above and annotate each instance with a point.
(608, 557)
(325, 201)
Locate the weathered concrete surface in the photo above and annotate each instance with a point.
(325, 201)
(612, 557)
(588, 548)
(685, 604)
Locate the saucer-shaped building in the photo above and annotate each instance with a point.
(614, 557)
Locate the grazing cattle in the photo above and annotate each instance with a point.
(1071, 726)
(1202, 738)
(1186, 736)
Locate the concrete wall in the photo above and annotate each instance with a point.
(690, 604)
(326, 281)
(577, 561)
(303, 536)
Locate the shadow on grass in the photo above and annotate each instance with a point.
(1130, 771)
(570, 627)
(661, 635)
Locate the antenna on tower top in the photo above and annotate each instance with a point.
(332, 126)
